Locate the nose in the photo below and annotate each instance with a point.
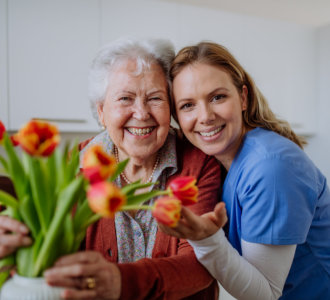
(206, 115)
(141, 110)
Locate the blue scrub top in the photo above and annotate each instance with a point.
(274, 194)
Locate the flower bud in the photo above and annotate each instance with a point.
(105, 198)
(97, 164)
(185, 189)
(167, 210)
(38, 138)
(2, 131)
(14, 139)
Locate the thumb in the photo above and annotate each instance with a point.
(219, 215)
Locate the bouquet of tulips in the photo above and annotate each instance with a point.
(58, 201)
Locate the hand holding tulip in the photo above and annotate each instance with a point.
(194, 227)
(13, 235)
(85, 275)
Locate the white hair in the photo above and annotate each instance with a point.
(145, 52)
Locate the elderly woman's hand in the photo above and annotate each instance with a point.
(194, 227)
(13, 235)
(85, 275)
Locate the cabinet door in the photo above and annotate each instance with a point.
(3, 63)
(50, 47)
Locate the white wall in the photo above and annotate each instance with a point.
(319, 147)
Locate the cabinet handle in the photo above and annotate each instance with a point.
(58, 120)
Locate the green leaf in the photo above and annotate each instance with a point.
(5, 264)
(40, 192)
(140, 198)
(67, 238)
(131, 188)
(15, 168)
(29, 215)
(68, 197)
(4, 164)
(80, 234)
(24, 261)
(120, 168)
(83, 212)
(8, 200)
(73, 162)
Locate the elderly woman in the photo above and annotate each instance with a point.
(127, 257)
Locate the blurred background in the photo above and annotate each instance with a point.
(46, 48)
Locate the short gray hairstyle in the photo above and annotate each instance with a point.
(144, 51)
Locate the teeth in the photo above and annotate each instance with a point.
(211, 132)
(140, 131)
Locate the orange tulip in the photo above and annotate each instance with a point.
(185, 189)
(38, 138)
(105, 198)
(167, 210)
(14, 139)
(97, 164)
(2, 131)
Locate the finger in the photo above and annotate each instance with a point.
(84, 257)
(14, 240)
(13, 225)
(78, 294)
(220, 214)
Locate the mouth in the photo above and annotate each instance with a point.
(212, 132)
(140, 131)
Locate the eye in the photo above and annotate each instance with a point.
(124, 98)
(218, 97)
(155, 99)
(186, 106)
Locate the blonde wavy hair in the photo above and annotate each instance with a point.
(258, 112)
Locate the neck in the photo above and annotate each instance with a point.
(138, 168)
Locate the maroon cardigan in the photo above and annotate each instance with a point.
(173, 272)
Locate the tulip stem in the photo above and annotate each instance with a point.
(136, 207)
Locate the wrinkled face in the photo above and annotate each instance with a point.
(209, 109)
(136, 109)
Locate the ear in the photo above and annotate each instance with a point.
(99, 107)
(244, 97)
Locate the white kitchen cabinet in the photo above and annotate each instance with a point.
(139, 18)
(280, 57)
(50, 47)
(3, 63)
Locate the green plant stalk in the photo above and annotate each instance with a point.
(136, 207)
(68, 198)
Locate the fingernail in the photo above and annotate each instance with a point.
(23, 229)
(27, 241)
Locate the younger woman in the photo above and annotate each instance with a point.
(278, 202)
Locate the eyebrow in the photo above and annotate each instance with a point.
(156, 92)
(216, 90)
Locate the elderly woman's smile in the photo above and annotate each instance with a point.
(136, 110)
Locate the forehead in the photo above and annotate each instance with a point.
(201, 77)
(132, 71)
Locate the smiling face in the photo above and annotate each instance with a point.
(136, 110)
(209, 109)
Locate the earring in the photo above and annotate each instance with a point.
(102, 127)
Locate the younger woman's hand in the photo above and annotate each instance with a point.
(194, 227)
(13, 235)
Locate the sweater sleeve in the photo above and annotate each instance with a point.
(179, 274)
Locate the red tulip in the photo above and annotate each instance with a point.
(38, 138)
(105, 198)
(167, 210)
(97, 164)
(185, 189)
(2, 131)
(14, 139)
